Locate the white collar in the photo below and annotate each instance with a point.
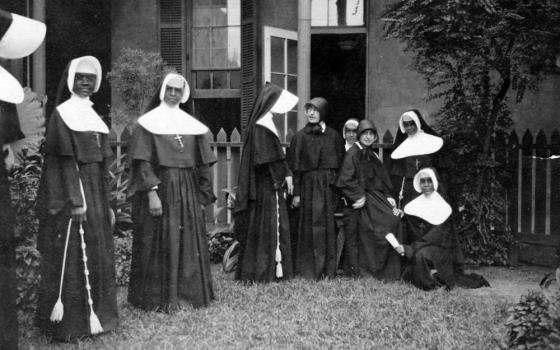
(268, 123)
(432, 208)
(347, 145)
(166, 120)
(418, 144)
(77, 114)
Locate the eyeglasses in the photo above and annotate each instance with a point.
(408, 123)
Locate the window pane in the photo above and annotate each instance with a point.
(292, 84)
(201, 38)
(234, 47)
(220, 80)
(219, 58)
(220, 16)
(277, 79)
(202, 17)
(202, 3)
(292, 56)
(235, 79)
(219, 113)
(277, 54)
(292, 125)
(234, 12)
(202, 80)
(202, 59)
(219, 38)
(337, 13)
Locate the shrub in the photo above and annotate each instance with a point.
(534, 322)
(24, 185)
(123, 255)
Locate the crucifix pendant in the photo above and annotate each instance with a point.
(417, 163)
(97, 139)
(179, 140)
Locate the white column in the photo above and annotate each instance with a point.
(304, 58)
(39, 57)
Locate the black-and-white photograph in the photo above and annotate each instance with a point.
(280, 174)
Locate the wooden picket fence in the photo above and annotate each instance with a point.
(533, 192)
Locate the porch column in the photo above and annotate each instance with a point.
(39, 56)
(303, 58)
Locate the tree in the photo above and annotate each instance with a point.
(473, 54)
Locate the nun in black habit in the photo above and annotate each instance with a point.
(366, 186)
(170, 182)
(315, 154)
(429, 244)
(77, 268)
(261, 217)
(415, 146)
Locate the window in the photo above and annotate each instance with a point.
(216, 44)
(328, 13)
(280, 68)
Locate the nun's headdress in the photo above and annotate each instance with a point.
(77, 112)
(432, 207)
(425, 141)
(19, 37)
(162, 119)
(350, 124)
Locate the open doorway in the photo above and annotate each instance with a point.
(338, 73)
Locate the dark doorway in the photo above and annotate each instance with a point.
(338, 73)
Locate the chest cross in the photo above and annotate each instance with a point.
(417, 163)
(179, 140)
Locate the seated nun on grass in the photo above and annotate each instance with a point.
(428, 243)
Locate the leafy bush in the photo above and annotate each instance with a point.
(123, 256)
(135, 75)
(24, 185)
(534, 321)
(221, 237)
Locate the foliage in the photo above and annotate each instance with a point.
(24, 182)
(123, 256)
(31, 115)
(119, 186)
(534, 322)
(471, 54)
(135, 76)
(220, 238)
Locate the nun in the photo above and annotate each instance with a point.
(349, 132)
(19, 37)
(170, 184)
(77, 295)
(415, 146)
(366, 187)
(315, 154)
(261, 216)
(429, 243)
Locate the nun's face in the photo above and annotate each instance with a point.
(174, 92)
(313, 114)
(426, 184)
(409, 125)
(84, 84)
(368, 137)
(350, 135)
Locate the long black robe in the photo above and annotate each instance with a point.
(266, 215)
(170, 260)
(314, 158)
(431, 247)
(363, 174)
(9, 132)
(72, 156)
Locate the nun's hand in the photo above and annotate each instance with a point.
(398, 212)
(391, 201)
(289, 185)
(154, 203)
(78, 214)
(359, 203)
(296, 201)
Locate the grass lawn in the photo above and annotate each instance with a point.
(340, 313)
